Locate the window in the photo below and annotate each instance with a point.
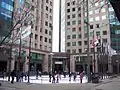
(97, 26)
(91, 34)
(50, 33)
(92, 49)
(46, 15)
(91, 12)
(98, 33)
(80, 50)
(46, 1)
(104, 40)
(73, 9)
(50, 3)
(80, 29)
(50, 17)
(41, 37)
(68, 36)
(73, 36)
(85, 42)
(36, 36)
(97, 18)
(68, 10)
(104, 17)
(46, 23)
(73, 43)
(79, 36)
(68, 23)
(91, 26)
(46, 31)
(96, 4)
(73, 22)
(68, 16)
(47, 8)
(104, 32)
(40, 46)
(73, 29)
(73, 16)
(73, 3)
(79, 8)
(50, 10)
(103, 10)
(68, 43)
(68, 51)
(96, 11)
(45, 39)
(68, 4)
(79, 43)
(79, 21)
(79, 15)
(35, 45)
(50, 41)
(91, 19)
(73, 50)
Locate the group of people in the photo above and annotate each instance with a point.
(54, 79)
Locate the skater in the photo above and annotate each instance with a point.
(50, 76)
(53, 76)
(75, 75)
(70, 75)
(13, 75)
(81, 76)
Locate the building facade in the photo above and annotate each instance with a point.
(76, 32)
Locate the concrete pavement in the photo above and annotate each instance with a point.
(107, 84)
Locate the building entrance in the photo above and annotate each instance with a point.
(3, 66)
(58, 68)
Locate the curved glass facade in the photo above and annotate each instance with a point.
(114, 30)
(6, 17)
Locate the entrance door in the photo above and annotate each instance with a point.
(3, 66)
(58, 68)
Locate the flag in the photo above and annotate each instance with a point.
(95, 41)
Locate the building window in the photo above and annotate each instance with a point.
(50, 3)
(79, 21)
(103, 10)
(80, 50)
(68, 10)
(91, 26)
(47, 8)
(73, 9)
(91, 12)
(36, 37)
(104, 17)
(50, 33)
(73, 3)
(68, 23)
(68, 44)
(79, 15)
(79, 36)
(98, 33)
(97, 18)
(68, 4)
(50, 41)
(104, 32)
(68, 16)
(91, 34)
(104, 40)
(91, 49)
(97, 26)
(46, 31)
(96, 11)
(79, 29)
(68, 36)
(46, 15)
(73, 29)
(40, 46)
(41, 37)
(96, 4)
(46, 1)
(91, 19)
(85, 42)
(45, 39)
(73, 43)
(35, 45)
(50, 10)
(79, 8)
(73, 50)
(68, 50)
(46, 23)
(73, 16)
(79, 43)
(73, 22)
(73, 36)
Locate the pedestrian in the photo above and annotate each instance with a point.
(21, 76)
(37, 73)
(57, 78)
(81, 76)
(70, 75)
(13, 74)
(75, 75)
(53, 76)
(50, 76)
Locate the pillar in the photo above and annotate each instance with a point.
(45, 63)
(72, 63)
(26, 61)
(110, 69)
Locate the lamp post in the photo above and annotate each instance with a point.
(51, 62)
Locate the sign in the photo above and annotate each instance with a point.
(58, 62)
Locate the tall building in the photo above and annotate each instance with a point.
(6, 22)
(39, 22)
(76, 32)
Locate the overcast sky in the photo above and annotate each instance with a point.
(55, 26)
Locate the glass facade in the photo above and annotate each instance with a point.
(6, 16)
(114, 30)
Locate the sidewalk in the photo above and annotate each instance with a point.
(107, 84)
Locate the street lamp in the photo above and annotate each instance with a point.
(51, 62)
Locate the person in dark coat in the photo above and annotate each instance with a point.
(50, 76)
(13, 74)
(53, 76)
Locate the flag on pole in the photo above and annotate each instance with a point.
(95, 41)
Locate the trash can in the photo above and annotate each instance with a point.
(95, 78)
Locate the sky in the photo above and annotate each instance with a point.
(55, 26)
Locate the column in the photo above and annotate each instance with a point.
(26, 62)
(72, 63)
(45, 63)
(12, 64)
(110, 70)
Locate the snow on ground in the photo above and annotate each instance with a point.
(44, 79)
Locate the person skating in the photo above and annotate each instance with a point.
(13, 75)
(81, 76)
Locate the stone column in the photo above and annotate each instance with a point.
(26, 61)
(72, 63)
(110, 69)
(45, 63)
(12, 64)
